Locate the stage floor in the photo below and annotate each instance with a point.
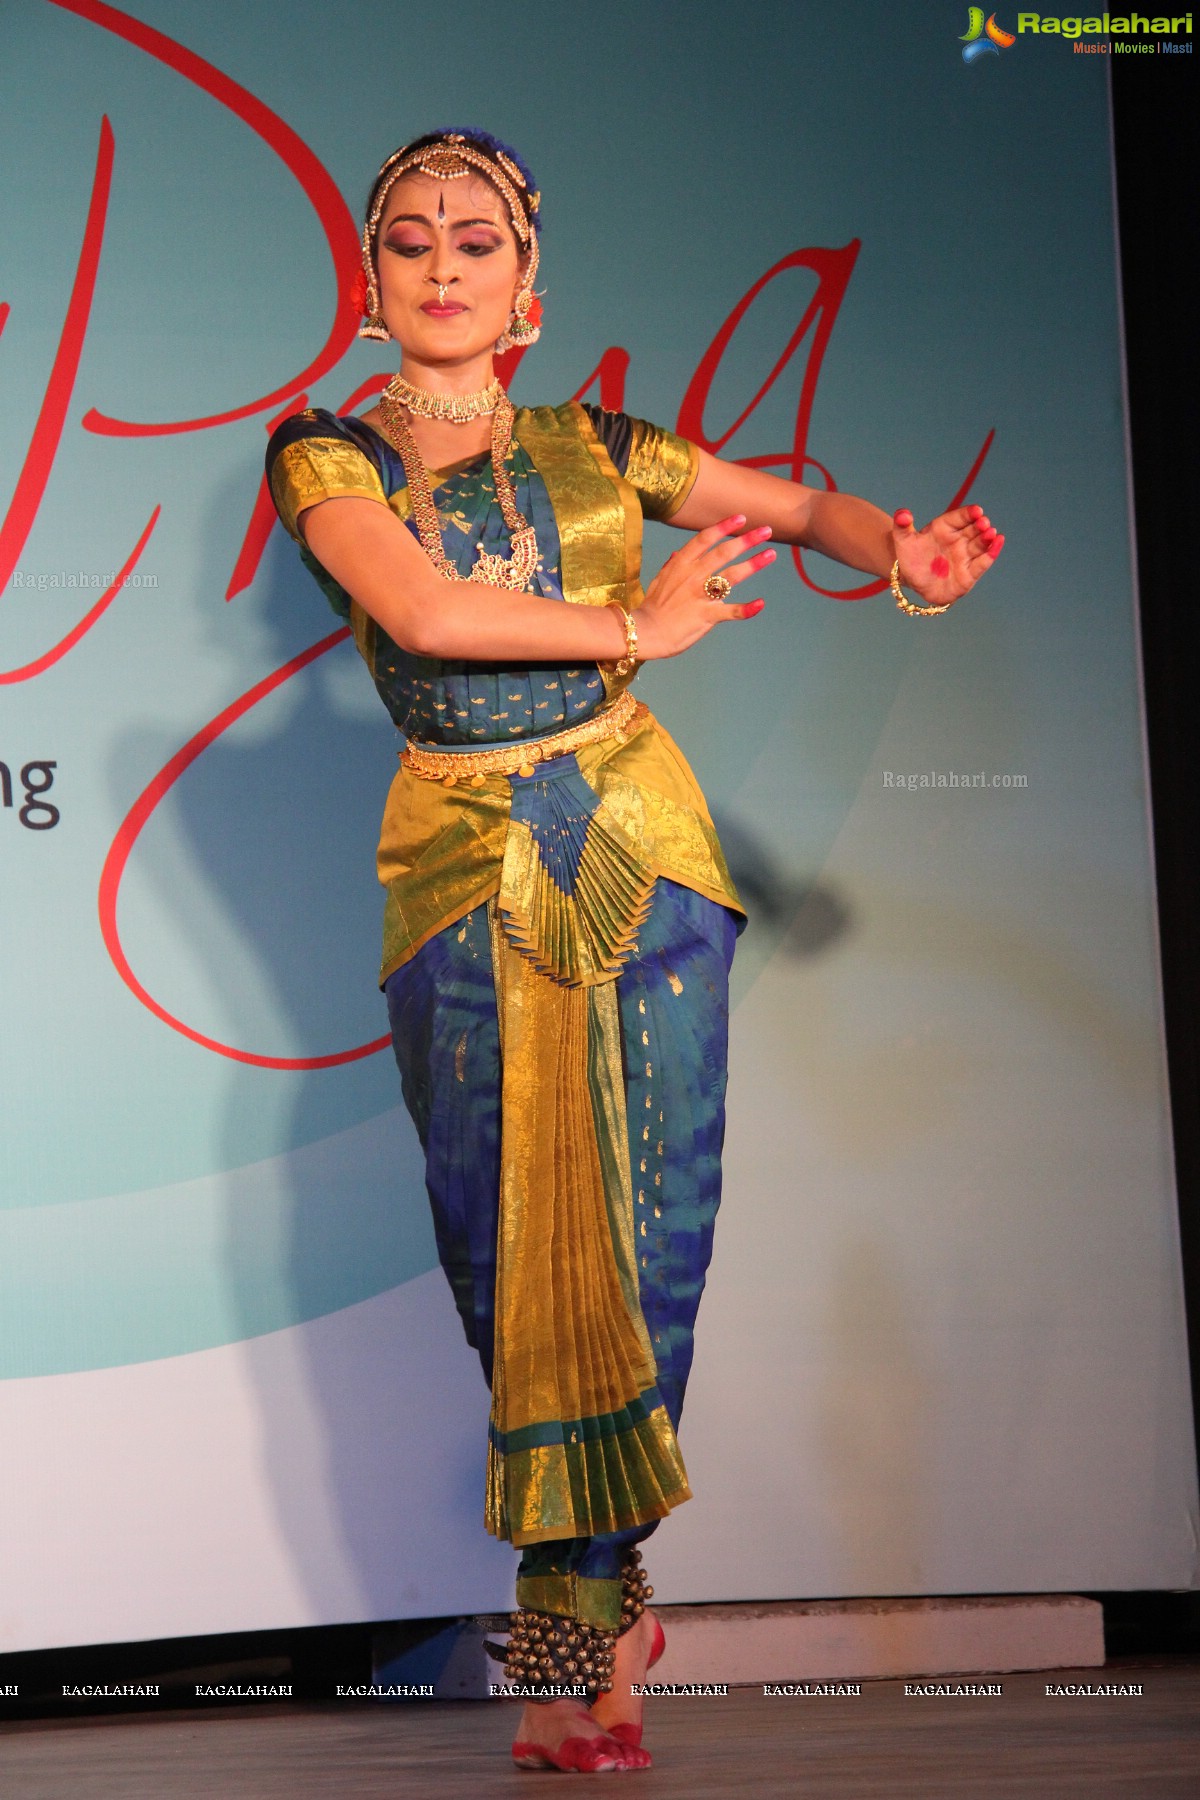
(884, 1745)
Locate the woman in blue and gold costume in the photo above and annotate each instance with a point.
(559, 919)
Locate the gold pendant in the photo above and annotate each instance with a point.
(490, 568)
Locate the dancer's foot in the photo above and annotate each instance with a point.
(563, 1734)
(638, 1649)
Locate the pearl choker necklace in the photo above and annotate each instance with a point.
(428, 403)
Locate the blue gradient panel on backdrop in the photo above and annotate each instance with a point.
(948, 1100)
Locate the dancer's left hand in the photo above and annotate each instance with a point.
(943, 561)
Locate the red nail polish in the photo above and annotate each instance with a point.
(752, 607)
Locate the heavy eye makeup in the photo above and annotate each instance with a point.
(409, 243)
(406, 243)
(480, 244)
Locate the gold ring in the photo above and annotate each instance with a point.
(718, 587)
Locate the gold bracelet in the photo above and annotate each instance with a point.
(629, 660)
(910, 606)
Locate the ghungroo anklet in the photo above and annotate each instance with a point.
(636, 1591)
(548, 1651)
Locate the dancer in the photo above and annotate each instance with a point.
(559, 920)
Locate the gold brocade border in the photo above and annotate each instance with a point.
(630, 504)
(583, 1597)
(314, 469)
(598, 516)
(683, 846)
(662, 468)
(399, 949)
(442, 848)
(558, 1283)
(649, 788)
(587, 1489)
(606, 1082)
(584, 938)
(570, 1340)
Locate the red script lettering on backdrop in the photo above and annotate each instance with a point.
(832, 268)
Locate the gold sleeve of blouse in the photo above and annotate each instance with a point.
(662, 467)
(312, 469)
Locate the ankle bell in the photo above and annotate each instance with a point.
(548, 1652)
(636, 1591)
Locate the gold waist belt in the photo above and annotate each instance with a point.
(438, 762)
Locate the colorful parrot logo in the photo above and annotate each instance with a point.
(983, 40)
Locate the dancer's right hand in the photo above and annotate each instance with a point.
(677, 612)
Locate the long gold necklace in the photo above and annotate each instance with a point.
(429, 403)
(496, 571)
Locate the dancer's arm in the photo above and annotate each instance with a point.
(376, 559)
(942, 562)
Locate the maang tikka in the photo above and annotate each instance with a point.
(450, 159)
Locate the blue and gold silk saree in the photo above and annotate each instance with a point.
(571, 1107)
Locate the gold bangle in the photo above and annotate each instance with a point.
(910, 606)
(629, 660)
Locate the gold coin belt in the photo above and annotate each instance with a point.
(440, 763)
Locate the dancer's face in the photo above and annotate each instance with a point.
(456, 234)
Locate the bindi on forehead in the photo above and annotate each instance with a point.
(422, 210)
(444, 206)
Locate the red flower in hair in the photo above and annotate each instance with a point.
(358, 292)
(534, 315)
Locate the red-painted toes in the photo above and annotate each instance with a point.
(577, 1755)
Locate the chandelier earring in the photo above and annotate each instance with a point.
(524, 326)
(365, 293)
(525, 321)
